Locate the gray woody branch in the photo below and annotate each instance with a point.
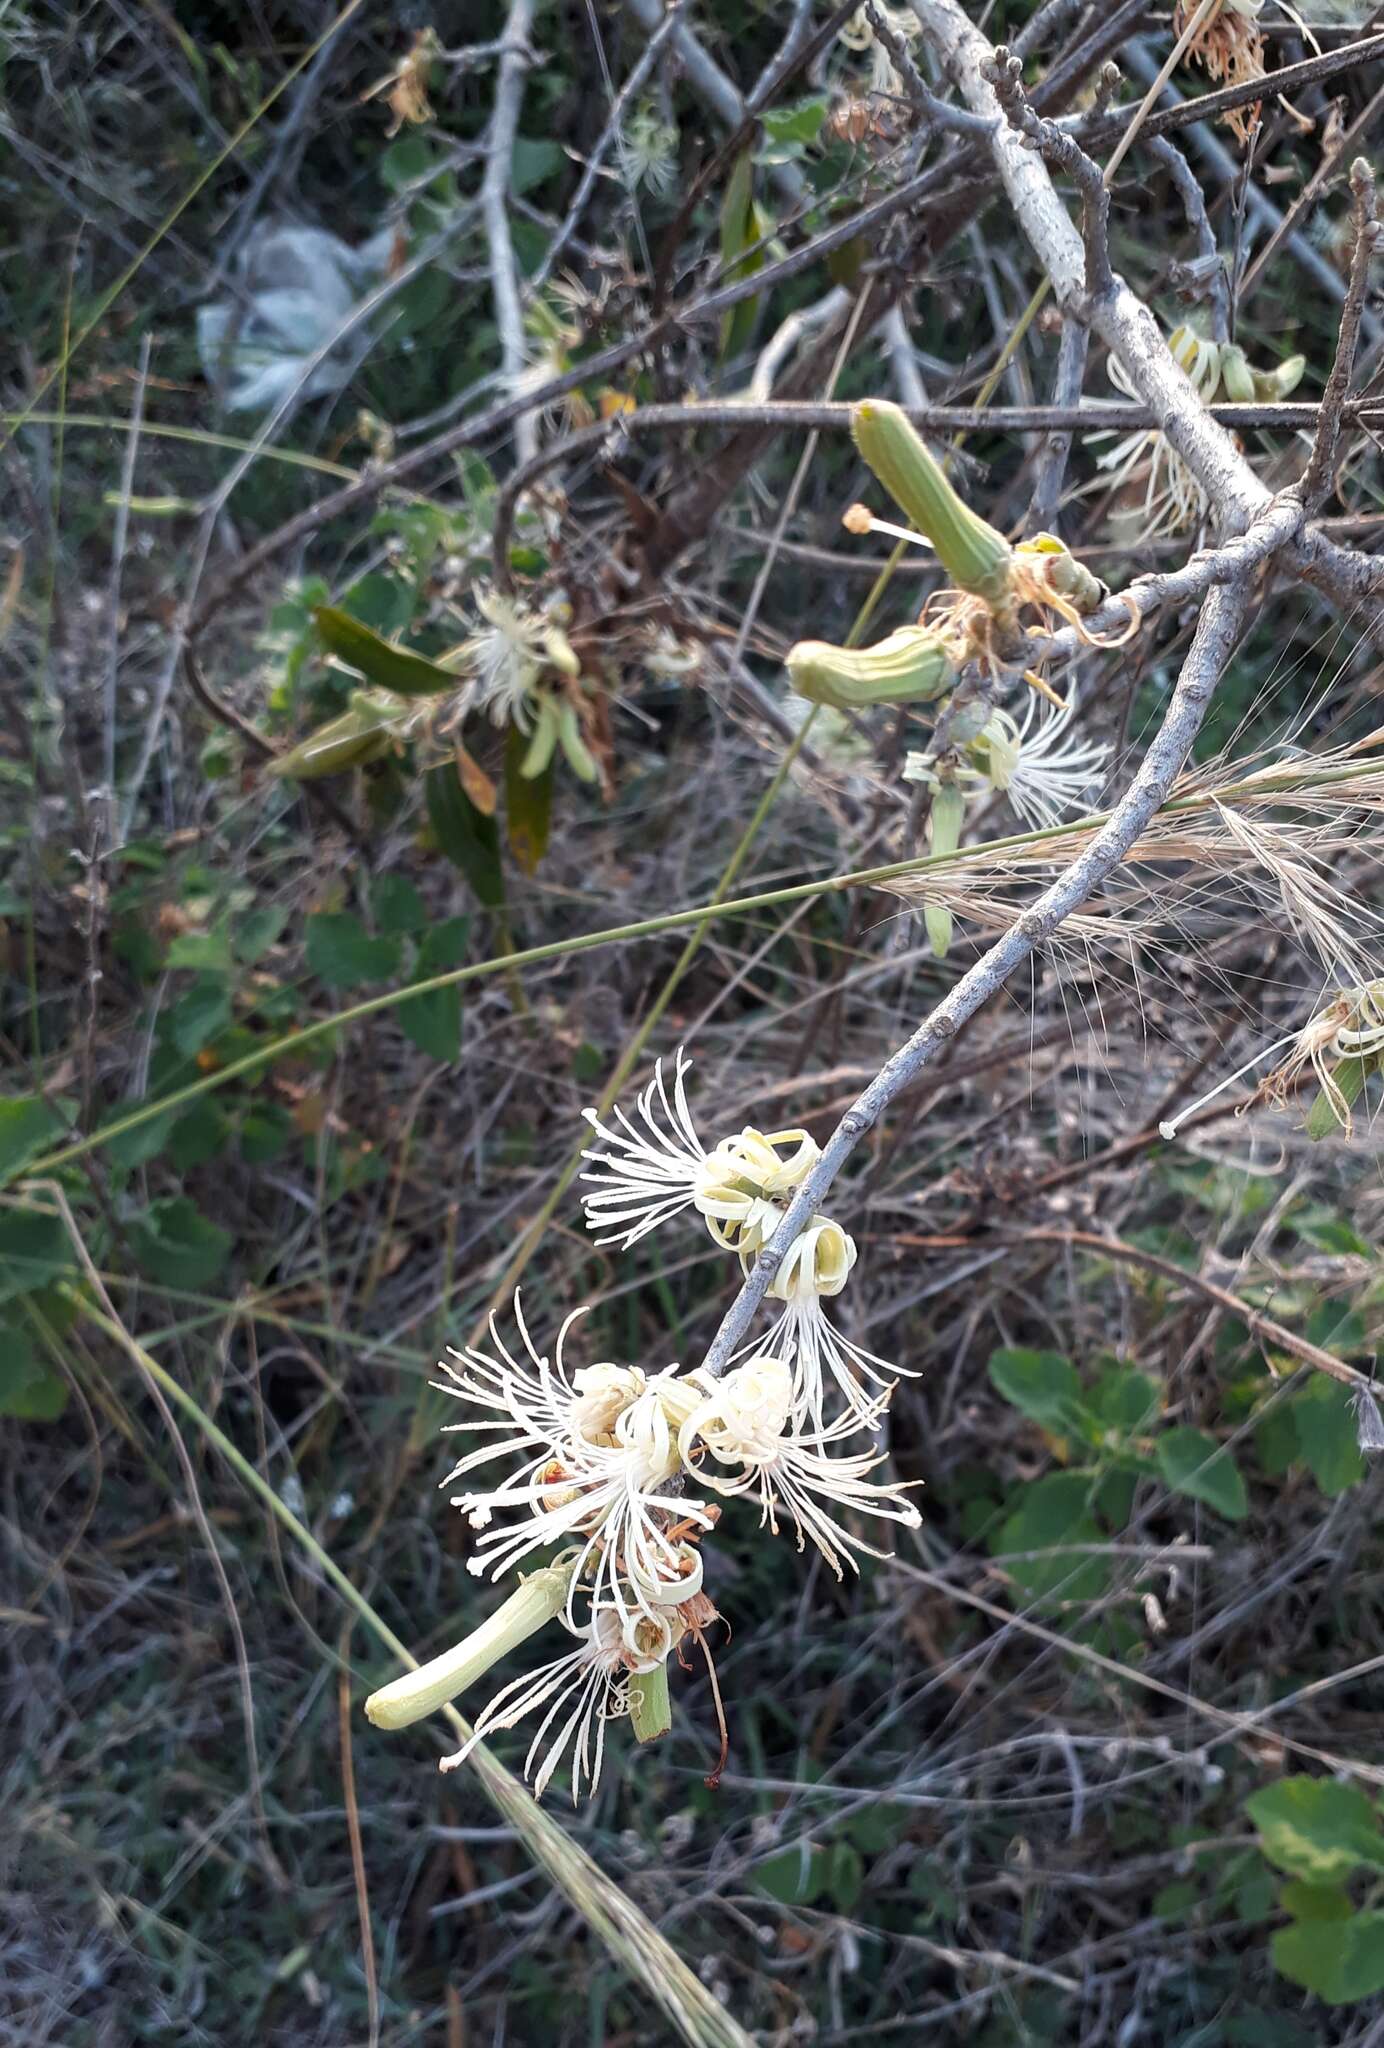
(1206, 659)
(1088, 290)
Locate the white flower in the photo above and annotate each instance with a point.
(1173, 497)
(506, 661)
(1041, 770)
(594, 1678)
(816, 1265)
(649, 1168)
(597, 1445)
(751, 1420)
(649, 151)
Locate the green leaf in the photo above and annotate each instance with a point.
(28, 1390)
(341, 952)
(469, 839)
(201, 1015)
(264, 1133)
(199, 1135)
(1053, 1513)
(1194, 1464)
(27, 1127)
(433, 1021)
(535, 159)
(1329, 1232)
(1323, 1118)
(379, 660)
(1341, 1960)
(740, 229)
(1044, 1386)
(1326, 1432)
(1125, 1400)
(845, 1876)
(176, 1244)
(802, 122)
(397, 905)
(1317, 1828)
(257, 932)
(34, 1249)
(796, 1876)
(528, 804)
(1314, 1901)
(1276, 1439)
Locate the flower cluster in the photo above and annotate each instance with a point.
(1173, 498)
(603, 1464)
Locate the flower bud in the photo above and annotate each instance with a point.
(910, 666)
(944, 827)
(421, 1692)
(974, 555)
(818, 1262)
(1062, 572)
(1237, 376)
(544, 742)
(579, 757)
(1271, 387)
(359, 735)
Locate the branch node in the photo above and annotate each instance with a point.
(1005, 74)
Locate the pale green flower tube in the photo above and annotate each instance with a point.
(540, 1597)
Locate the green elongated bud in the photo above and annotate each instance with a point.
(910, 666)
(651, 1712)
(421, 1692)
(359, 735)
(974, 555)
(948, 810)
(579, 757)
(1271, 387)
(1325, 1117)
(1237, 376)
(543, 743)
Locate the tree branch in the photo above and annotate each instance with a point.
(1211, 648)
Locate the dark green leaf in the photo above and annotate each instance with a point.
(794, 1876)
(28, 1389)
(176, 1244)
(535, 158)
(1194, 1464)
(378, 659)
(469, 839)
(433, 1021)
(264, 1132)
(133, 1148)
(1052, 1515)
(34, 1249)
(1317, 1828)
(1326, 1432)
(528, 804)
(201, 1015)
(27, 1127)
(397, 905)
(257, 932)
(341, 952)
(199, 1135)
